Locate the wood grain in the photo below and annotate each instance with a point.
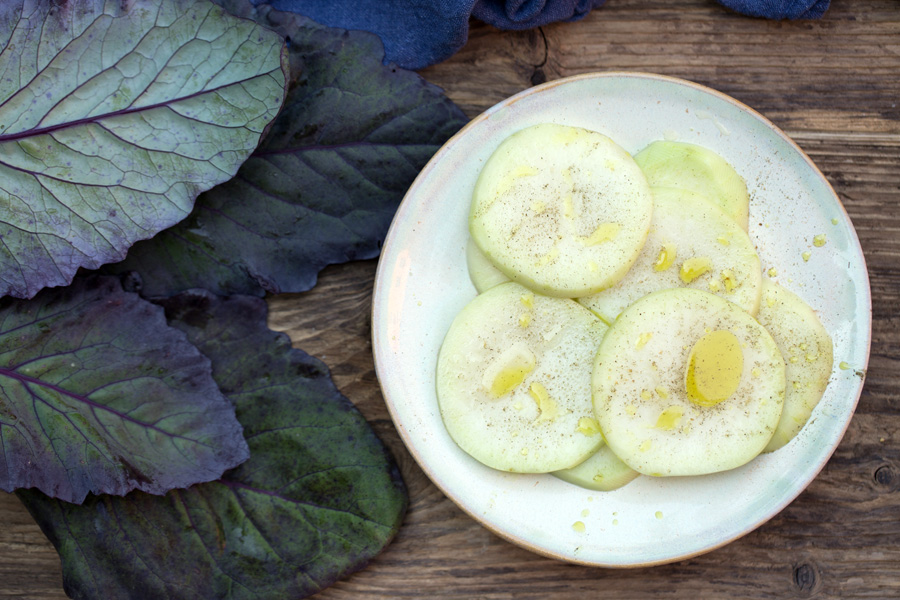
(834, 86)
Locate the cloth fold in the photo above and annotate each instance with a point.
(420, 33)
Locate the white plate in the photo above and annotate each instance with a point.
(422, 283)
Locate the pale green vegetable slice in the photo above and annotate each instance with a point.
(482, 272)
(691, 243)
(602, 471)
(513, 380)
(561, 210)
(699, 170)
(686, 383)
(808, 354)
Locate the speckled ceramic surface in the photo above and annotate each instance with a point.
(422, 283)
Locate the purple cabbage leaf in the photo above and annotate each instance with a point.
(318, 498)
(99, 395)
(325, 182)
(114, 116)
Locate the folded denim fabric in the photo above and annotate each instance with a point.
(779, 9)
(420, 33)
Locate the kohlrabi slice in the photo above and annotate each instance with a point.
(514, 380)
(687, 383)
(602, 471)
(691, 244)
(482, 272)
(699, 170)
(808, 355)
(561, 210)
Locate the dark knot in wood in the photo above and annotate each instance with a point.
(806, 580)
(884, 475)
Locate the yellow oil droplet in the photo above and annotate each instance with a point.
(659, 514)
(509, 370)
(645, 446)
(770, 300)
(797, 385)
(793, 360)
(843, 365)
(585, 512)
(670, 418)
(578, 526)
(772, 272)
(714, 285)
(662, 392)
(819, 240)
(646, 395)
(568, 207)
(666, 258)
(643, 339)
(729, 280)
(630, 409)
(517, 406)
(811, 357)
(714, 368)
(524, 451)
(806, 256)
(588, 426)
(693, 268)
(723, 240)
(834, 221)
(519, 172)
(538, 206)
(803, 347)
(756, 372)
(548, 258)
(615, 521)
(527, 300)
(593, 267)
(603, 233)
(524, 320)
(546, 404)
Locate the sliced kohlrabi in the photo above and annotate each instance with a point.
(482, 272)
(602, 471)
(514, 380)
(561, 210)
(687, 383)
(699, 170)
(808, 355)
(692, 243)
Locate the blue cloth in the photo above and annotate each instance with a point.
(419, 33)
(779, 9)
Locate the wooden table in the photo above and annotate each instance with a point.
(834, 86)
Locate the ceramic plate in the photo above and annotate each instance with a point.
(422, 283)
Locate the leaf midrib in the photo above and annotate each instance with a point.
(26, 379)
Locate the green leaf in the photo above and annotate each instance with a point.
(114, 116)
(317, 499)
(324, 184)
(98, 394)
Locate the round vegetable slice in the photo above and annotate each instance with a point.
(513, 380)
(808, 354)
(699, 170)
(561, 210)
(482, 272)
(691, 243)
(686, 383)
(602, 471)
